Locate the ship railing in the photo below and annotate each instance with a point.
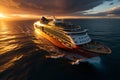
(71, 29)
(58, 33)
(78, 32)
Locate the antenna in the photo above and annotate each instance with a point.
(54, 18)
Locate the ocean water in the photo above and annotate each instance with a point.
(25, 57)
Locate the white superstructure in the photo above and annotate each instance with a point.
(78, 35)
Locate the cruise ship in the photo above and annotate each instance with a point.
(69, 37)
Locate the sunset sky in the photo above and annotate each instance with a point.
(73, 8)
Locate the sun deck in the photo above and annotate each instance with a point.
(96, 47)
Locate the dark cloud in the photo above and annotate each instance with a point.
(50, 6)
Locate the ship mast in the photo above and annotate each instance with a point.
(54, 18)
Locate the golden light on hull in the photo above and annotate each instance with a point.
(52, 39)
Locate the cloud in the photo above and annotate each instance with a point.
(115, 11)
(49, 6)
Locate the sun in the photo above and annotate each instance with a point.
(2, 16)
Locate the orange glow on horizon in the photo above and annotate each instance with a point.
(18, 16)
(28, 16)
(23, 16)
(2, 15)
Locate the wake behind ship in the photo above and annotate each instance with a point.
(69, 37)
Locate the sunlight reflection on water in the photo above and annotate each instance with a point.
(12, 40)
(10, 63)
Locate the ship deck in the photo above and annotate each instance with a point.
(96, 47)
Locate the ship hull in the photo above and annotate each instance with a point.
(76, 50)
